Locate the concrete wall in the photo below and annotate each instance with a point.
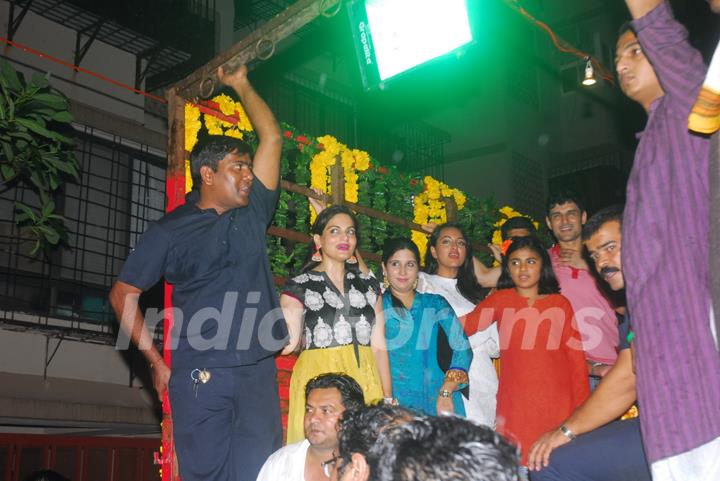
(79, 372)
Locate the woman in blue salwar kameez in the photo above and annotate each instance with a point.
(428, 349)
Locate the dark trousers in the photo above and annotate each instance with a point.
(228, 430)
(611, 453)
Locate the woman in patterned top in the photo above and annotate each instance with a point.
(334, 310)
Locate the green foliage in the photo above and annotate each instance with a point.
(381, 187)
(33, 152)
(478, 218)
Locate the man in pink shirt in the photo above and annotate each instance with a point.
(597, 321)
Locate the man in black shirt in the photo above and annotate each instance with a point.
(227, 323)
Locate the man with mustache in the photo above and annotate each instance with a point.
(666, 250)
(595, 317)
(611, 450)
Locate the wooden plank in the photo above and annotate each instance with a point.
(307, 192)
(176, 133)
(337, 182)
(296, 236)
(451, 210)
(202, 82)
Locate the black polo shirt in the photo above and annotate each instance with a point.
(226, 308)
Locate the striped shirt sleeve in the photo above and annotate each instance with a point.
(679, 67)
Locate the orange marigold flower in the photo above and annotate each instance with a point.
(505, 246)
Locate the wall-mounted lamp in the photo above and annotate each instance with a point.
(589, 73)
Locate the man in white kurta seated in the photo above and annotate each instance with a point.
(327, 397)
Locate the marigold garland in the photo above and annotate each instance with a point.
(506, 213)
(192, 125)
(352, 161)
(430, 207)
(213, 125)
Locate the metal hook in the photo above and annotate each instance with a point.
(203, 89)
(270, 52)
(325, 13)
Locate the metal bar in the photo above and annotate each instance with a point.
(81, 51)
(48, 360)
(141, 73)
(202, 82)
(15, 22)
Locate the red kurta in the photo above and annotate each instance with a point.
(543, 375)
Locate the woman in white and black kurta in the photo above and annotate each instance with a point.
(334, 310)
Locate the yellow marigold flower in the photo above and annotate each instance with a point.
(421, 242)
(234, 132)
(192, 125)
(330, 144)
(509, 212)
(362, 159)
(188, 177)
(243, 119)
(214, 125)
(225, 103)
(347, 160)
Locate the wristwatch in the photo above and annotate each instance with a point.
(566, 432)
(445, 393)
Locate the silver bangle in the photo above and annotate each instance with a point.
(566, 432)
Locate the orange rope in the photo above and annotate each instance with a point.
(560, 44)
(77, 68)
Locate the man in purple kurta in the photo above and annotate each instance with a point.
(665, 250)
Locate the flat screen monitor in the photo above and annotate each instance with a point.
(395, 36)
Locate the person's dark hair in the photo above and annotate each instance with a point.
(548, 282)
(350, 390)
(360, 429)
(390, 247)
(608, 214)
(625, 27)
(319, 226)
(442, 448)
(520, 222)
(560, 197)
(210, 150)
(467, 283)
(46, 475)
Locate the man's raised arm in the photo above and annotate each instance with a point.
(639, 8)
(266, 163)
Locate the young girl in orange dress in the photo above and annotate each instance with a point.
(543, 375)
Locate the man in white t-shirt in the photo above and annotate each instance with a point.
(327, 397)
